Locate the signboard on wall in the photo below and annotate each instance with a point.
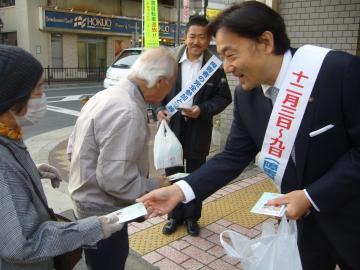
(80, 22)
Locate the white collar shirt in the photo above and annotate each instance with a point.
(189, 70)
(281, 76)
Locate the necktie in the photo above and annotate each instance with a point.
(272, 93)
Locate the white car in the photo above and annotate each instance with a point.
(121, 66)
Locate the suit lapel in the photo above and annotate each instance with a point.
(303, 138)
(266, 107)
(258, 112)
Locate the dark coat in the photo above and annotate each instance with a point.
(327, 165)
(212, 99)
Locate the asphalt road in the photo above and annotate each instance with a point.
(64, 105)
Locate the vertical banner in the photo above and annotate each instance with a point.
(151, 26)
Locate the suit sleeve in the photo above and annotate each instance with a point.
(226, 166)
(341, 184)
(220, 99)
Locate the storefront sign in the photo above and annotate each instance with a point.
(83, 22)
(151, 24)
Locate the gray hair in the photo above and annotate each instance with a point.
(152, 65)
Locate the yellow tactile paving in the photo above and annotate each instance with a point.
(234, 207)
(248, 199)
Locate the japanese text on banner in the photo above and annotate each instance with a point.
(189, 92)
(151, 24)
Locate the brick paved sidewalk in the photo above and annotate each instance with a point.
(228, 208)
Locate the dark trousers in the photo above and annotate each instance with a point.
(316, 251)
(110, 254)
(192, 210)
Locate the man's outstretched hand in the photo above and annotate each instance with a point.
(162, 201)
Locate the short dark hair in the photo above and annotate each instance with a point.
(250, 19)
(196, 20)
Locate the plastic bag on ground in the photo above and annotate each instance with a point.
(168, 151)
(271, 251)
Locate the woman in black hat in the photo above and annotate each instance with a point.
(28, 238)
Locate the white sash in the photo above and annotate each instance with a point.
(289, 109)
(189, 92)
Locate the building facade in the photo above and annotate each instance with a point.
(80, 33)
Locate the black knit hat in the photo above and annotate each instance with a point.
(19, 74)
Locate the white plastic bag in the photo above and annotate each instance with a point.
(168, 151)
(271, 251)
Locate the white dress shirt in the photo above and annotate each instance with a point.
(185, 187)
(189, 70)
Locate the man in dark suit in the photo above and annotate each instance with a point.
(321, 184)
(193, 125)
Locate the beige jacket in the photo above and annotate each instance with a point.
(109, 163)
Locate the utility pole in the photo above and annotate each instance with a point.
(206, 2)
(177, 28)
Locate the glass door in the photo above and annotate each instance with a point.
(91, 52)
(92, 55)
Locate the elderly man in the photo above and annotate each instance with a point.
(109, 163)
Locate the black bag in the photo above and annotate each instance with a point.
(68, 260)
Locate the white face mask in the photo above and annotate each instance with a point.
(36, 109)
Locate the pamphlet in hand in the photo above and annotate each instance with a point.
(183, 106)
(177, 176)
(129, 213)
(261, 207)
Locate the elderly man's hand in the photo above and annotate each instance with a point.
(164, 181)
(162, 201)
(48, 171)
(297, 204)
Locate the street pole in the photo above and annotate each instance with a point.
(206, 2)
(177, 32)
(142, 24)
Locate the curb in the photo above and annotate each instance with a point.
(73, 86)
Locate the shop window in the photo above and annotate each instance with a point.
(8, 38)
(7, 3)
(167, 2)
(57, 50)
(91, 52)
